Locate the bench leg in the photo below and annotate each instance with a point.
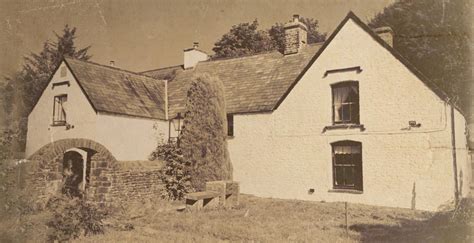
(194, 205)
(232, 200)
(211, 202)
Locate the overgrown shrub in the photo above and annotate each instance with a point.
(462, 214)
(73, 217)
(6, 141)
(175, 174)
(204, 134)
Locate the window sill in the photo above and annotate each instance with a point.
(58, 125)
(344, 126)
(351, 191)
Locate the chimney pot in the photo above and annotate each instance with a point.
(296, 18)
(112, 63)
(195, 45)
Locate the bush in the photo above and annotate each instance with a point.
(73, 217)
(175, 174)
(204, 134)
(462, 214)
(7, 138)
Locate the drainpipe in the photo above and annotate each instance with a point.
(455, 165)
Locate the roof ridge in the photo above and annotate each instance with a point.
(255, 54)
(156, 69)
(112, 68)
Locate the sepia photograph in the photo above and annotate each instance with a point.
(236, 121)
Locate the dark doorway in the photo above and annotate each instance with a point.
(73, 174)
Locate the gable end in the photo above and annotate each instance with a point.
(435, 89)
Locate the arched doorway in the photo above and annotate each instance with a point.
(76, 171)
(90, 162)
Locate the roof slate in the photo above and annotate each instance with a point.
(117, 91)
(252, 83)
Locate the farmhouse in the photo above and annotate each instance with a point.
(344, 120)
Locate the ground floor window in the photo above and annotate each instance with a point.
(230, 125)
(347, 165)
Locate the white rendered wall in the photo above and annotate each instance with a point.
(285, 153)
(129, 138)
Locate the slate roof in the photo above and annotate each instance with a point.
(116, 91)
(253, 83)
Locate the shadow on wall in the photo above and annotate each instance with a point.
(447, 226)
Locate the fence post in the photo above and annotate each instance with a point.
(347, 226)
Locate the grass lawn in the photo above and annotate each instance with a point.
(274, 220)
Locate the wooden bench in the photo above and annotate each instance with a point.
(217, 193)
(195, 201)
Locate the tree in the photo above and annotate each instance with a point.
(434, 37)
(24, 88)
(242, 39)
(245, 38)
(203, 138)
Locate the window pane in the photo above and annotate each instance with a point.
(339, 176)
(349, 176)
(346, 112)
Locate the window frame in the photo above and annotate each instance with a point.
(358, 185)
(348, 83)
(59, 122)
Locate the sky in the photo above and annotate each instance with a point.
(141, 35)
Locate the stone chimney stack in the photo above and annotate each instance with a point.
(386, 33)
(193, 55)
(296, 35)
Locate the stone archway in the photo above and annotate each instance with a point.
(48, 177)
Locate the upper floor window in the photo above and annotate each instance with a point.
(59, 114)
(345, 102)
(347, 165)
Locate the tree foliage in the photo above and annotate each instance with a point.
(246, 38)
(204, 134)
(434, 36)
(23, 89)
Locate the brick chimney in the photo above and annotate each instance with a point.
(296, 35)
(193, 55)
(386, 33)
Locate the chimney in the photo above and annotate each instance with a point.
(296, 35)
(112, 63)
(386, 33)
(193, 55)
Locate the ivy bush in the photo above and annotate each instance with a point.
(73, 217)
(175, 175)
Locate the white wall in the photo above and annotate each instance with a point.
(285, 153)
(127, 138)
(130, 138)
